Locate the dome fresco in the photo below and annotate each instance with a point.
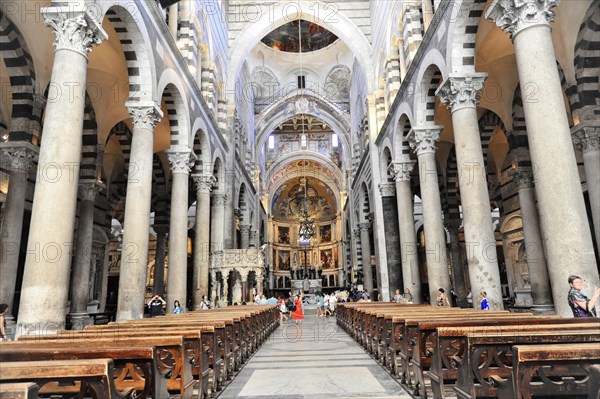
(287, 37)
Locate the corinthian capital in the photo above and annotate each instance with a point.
(523, 178)
(180, 161)
(403, 169)
(144, 115)
(88, 190)
(423, 139)
(204, 183)
(387, 189)
(515, 15)
(586, 138)
(459, 92)
(218, 199)
(75, 28)
(366, 226)
(20, 155)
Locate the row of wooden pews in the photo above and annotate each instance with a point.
(190, 355)
(467, 353)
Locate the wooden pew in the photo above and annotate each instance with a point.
(450, 346)
(565, 370)
(83, 377)
(161, 359)
(488, 355)
(19, 390)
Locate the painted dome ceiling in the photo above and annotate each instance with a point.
(286, 37)
(289, 200)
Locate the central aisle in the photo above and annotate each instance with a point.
(316, 360)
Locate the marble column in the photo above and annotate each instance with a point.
(392, 236)
(134, 255)
(83, 255)
(411, 274)
(567, 239)
(252, 242)
(461, 94)
(47, 266)
(423, 140)
(159, 260)
(534, 246)
(213, 287)
(178, 227)
(245, 234)
(21, 157)
(365, 243)
(217, 210)
(586, 137)
(356, 243)
(204, 184)
(456, 260)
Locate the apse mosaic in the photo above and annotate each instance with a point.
(304, 192)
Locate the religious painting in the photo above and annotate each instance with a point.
(284, 235)
(283, 260)
(325, 233)
(326, 259)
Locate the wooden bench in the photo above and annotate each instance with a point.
(19, 390)
(490, 355)
(565, 370)
(450, 347)
(79, 377)
(162, 360)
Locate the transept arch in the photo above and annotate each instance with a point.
(317, 12)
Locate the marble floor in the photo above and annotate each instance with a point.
(315, 360)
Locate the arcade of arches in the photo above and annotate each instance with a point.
(424, 144)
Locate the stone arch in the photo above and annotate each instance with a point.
(401, 146)
(587, 63)
(219, 175)
(177, 109)
(317, 12)
(201, 148)
(137, 46)
(430, 77)
(386, 160)
(21, 71)
(294, 104)
(462, 34)
(89, 170)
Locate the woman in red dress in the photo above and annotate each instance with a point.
(298, 314)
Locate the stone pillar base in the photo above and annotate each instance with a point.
(543, 309)
(79, 320)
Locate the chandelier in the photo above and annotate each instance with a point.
(307, 225)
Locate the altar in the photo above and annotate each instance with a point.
(307, 286)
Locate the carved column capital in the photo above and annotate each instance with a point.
(523, 178)
(387, 189)
(181, 161)
(20, 155)
(75, 28)
(459, 92)
(586, 138)
(515, 15)
(245, 228)
(366, 226)
(453, 226)
(144, 115)
(218, 199)
(204, 183)
(87, 191)
(356, 232)
(423, 139)
(403, 169)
